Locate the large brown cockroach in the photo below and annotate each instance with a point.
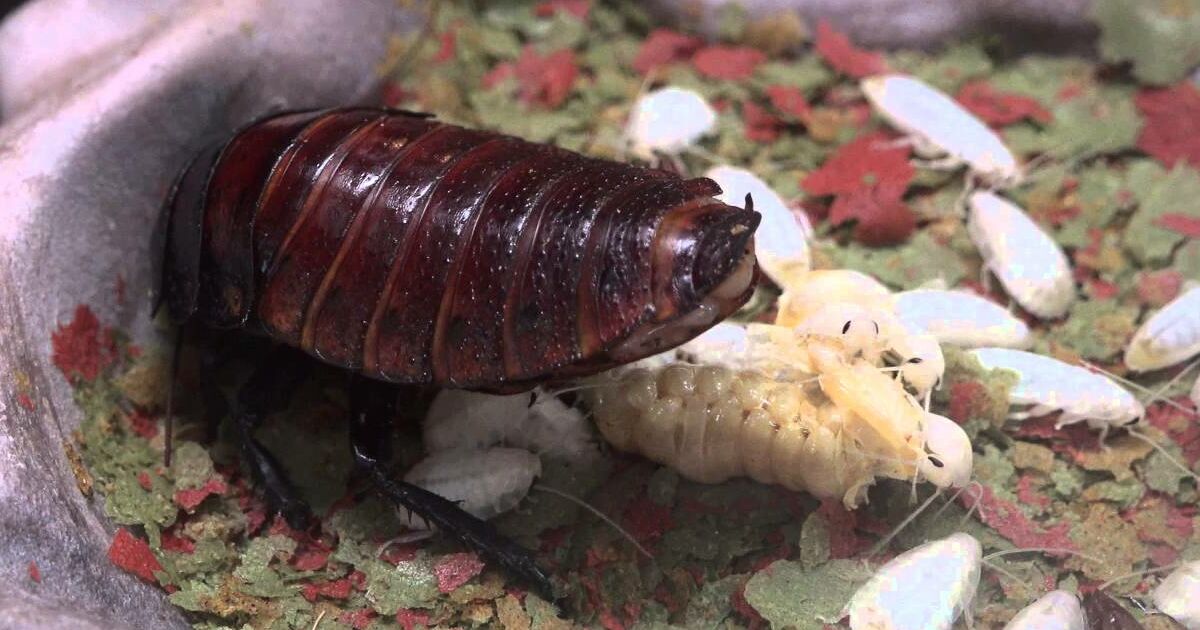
(417, 252)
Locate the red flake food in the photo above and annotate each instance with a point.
(761, 125)
(1156, 288)
(499, 73)
(881, 219)
(545, 80)
(309, 559)
(337, 589)
(134, 555)
(172, 541)
(143, 424)
(1027, 492)
(790, 102)
(144, 480)
(446, 51)
(844, 542)
(25, 401)
(868, 161)
(967, 398)
(1172, 129)
(189, 498)
(731, 63)
(843, 56)
(743, 608)
(663, 47)
(82, 349)
(647, 520)
(35, 573)
(1179, 425)
(576, 8)
(1010, 522)
(1000, 108)
(1188, 226)
(358, 619)
(410, 618)
(456, 569)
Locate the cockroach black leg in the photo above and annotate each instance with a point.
(370, 432)
(267, 391)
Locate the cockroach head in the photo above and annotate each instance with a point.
(703, 270)
(948, 461)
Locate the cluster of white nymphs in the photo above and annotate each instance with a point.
(1029, 264)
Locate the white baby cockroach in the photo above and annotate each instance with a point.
(938, 126)
(781, 241)
(804, 295)
(961, 318)
(930, 586)
(925, 588)
(877, 335)
(486, 482)
(1170, 336)
(540, 423)
(1047, 385)
(1178, 595)
(831, 434)
(668, 121)
(1056, 610)
(1031, 266)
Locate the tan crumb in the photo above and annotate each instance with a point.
(1119, 553)
(777, 33)
(1117, 459)
(1030, 456)
(510, 613)
(83, 478)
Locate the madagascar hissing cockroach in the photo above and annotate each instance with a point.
(412, 251)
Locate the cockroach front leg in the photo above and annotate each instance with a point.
(267, 391)
(370, 432)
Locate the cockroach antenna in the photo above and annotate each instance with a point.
(601, 515)
(1153, 396)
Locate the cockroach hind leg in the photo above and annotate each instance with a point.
(370, 428)
(268, 391)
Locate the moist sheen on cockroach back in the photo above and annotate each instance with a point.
(414, 251)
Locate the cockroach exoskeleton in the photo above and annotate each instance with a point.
(414, 252)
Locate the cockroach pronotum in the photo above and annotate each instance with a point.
(411, 251)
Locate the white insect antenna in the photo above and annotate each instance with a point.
(908, 520)
(1153, 396)
(1143, 572)
(601, 515)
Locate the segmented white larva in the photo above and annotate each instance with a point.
(1047, 385)
(668, 120)
(485, 482)
(1170, 336)
(961, 318)
(831, 436)
(925, 588)
(1178, 595)
(781, 241)
(940, 127)
(727, 344)
(1056, 610)
(1031, 266)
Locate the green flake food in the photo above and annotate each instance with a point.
(814, 542)
(1098, 330)
(907, 266)
(1160, 37)
(409, 584)
(1163, 475)
(1187, 260)
(788, 596)
(806, 74)
(1105, 121)
(1122, 494)
(1099, 198)
(1042, 77)
(1068, 481)
(1159, 193)
(191, 466)
(946, 71)
(258, 577)
(128, 503)
(713, 602)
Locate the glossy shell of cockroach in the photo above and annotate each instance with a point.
(415, 251)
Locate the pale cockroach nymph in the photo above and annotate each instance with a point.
(1170, 336)
(1027, 261)
(938, 127)
(809, 419)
